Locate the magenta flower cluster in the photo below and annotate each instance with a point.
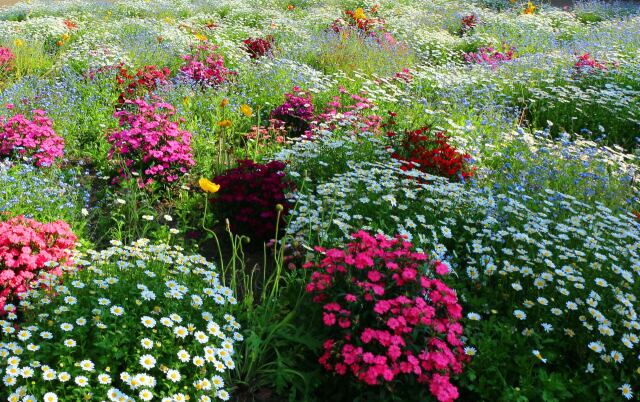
(151, 143)
(206, 67)
(7, 59)
(26, 249)
(490, 56)
(296, 112)
(389, 323)
(33, 138)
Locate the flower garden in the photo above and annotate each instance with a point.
(293, 200)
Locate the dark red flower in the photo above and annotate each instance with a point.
(252, 196)
(258, 47)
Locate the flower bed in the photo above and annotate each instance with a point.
(139, 321)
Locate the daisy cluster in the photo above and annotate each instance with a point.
(570, 269)
(136, 322)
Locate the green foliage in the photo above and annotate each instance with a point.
(350, 51)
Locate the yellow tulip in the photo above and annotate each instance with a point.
(208, 186)
(246, 110)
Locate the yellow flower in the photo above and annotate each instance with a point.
(530, 8)
(246, 110)
(201, 37)
(359, 14)
(208, 186)
(18, 42)
(225, 123)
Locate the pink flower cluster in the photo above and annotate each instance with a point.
(206, 67)
(389, 322)
(26, 246)
(490, 56)
(151, 143)
(7, 59)
(352, 108)
(404, 76)
(586, 62)
(33, 137)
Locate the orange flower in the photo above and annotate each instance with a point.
(225, 123)
(290, 7)
(531, 8)
(246, 110)
(70, 24)
(224, 103)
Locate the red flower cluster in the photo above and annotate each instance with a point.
(467, 23)
(206, 67)
(151, 143)
(251, 196)
(258, 47)
(431, 153)
(145, 80)
(389, 322)
(26, 248)
(586, 62)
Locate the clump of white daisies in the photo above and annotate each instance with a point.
(562, 273)
(139, 322)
